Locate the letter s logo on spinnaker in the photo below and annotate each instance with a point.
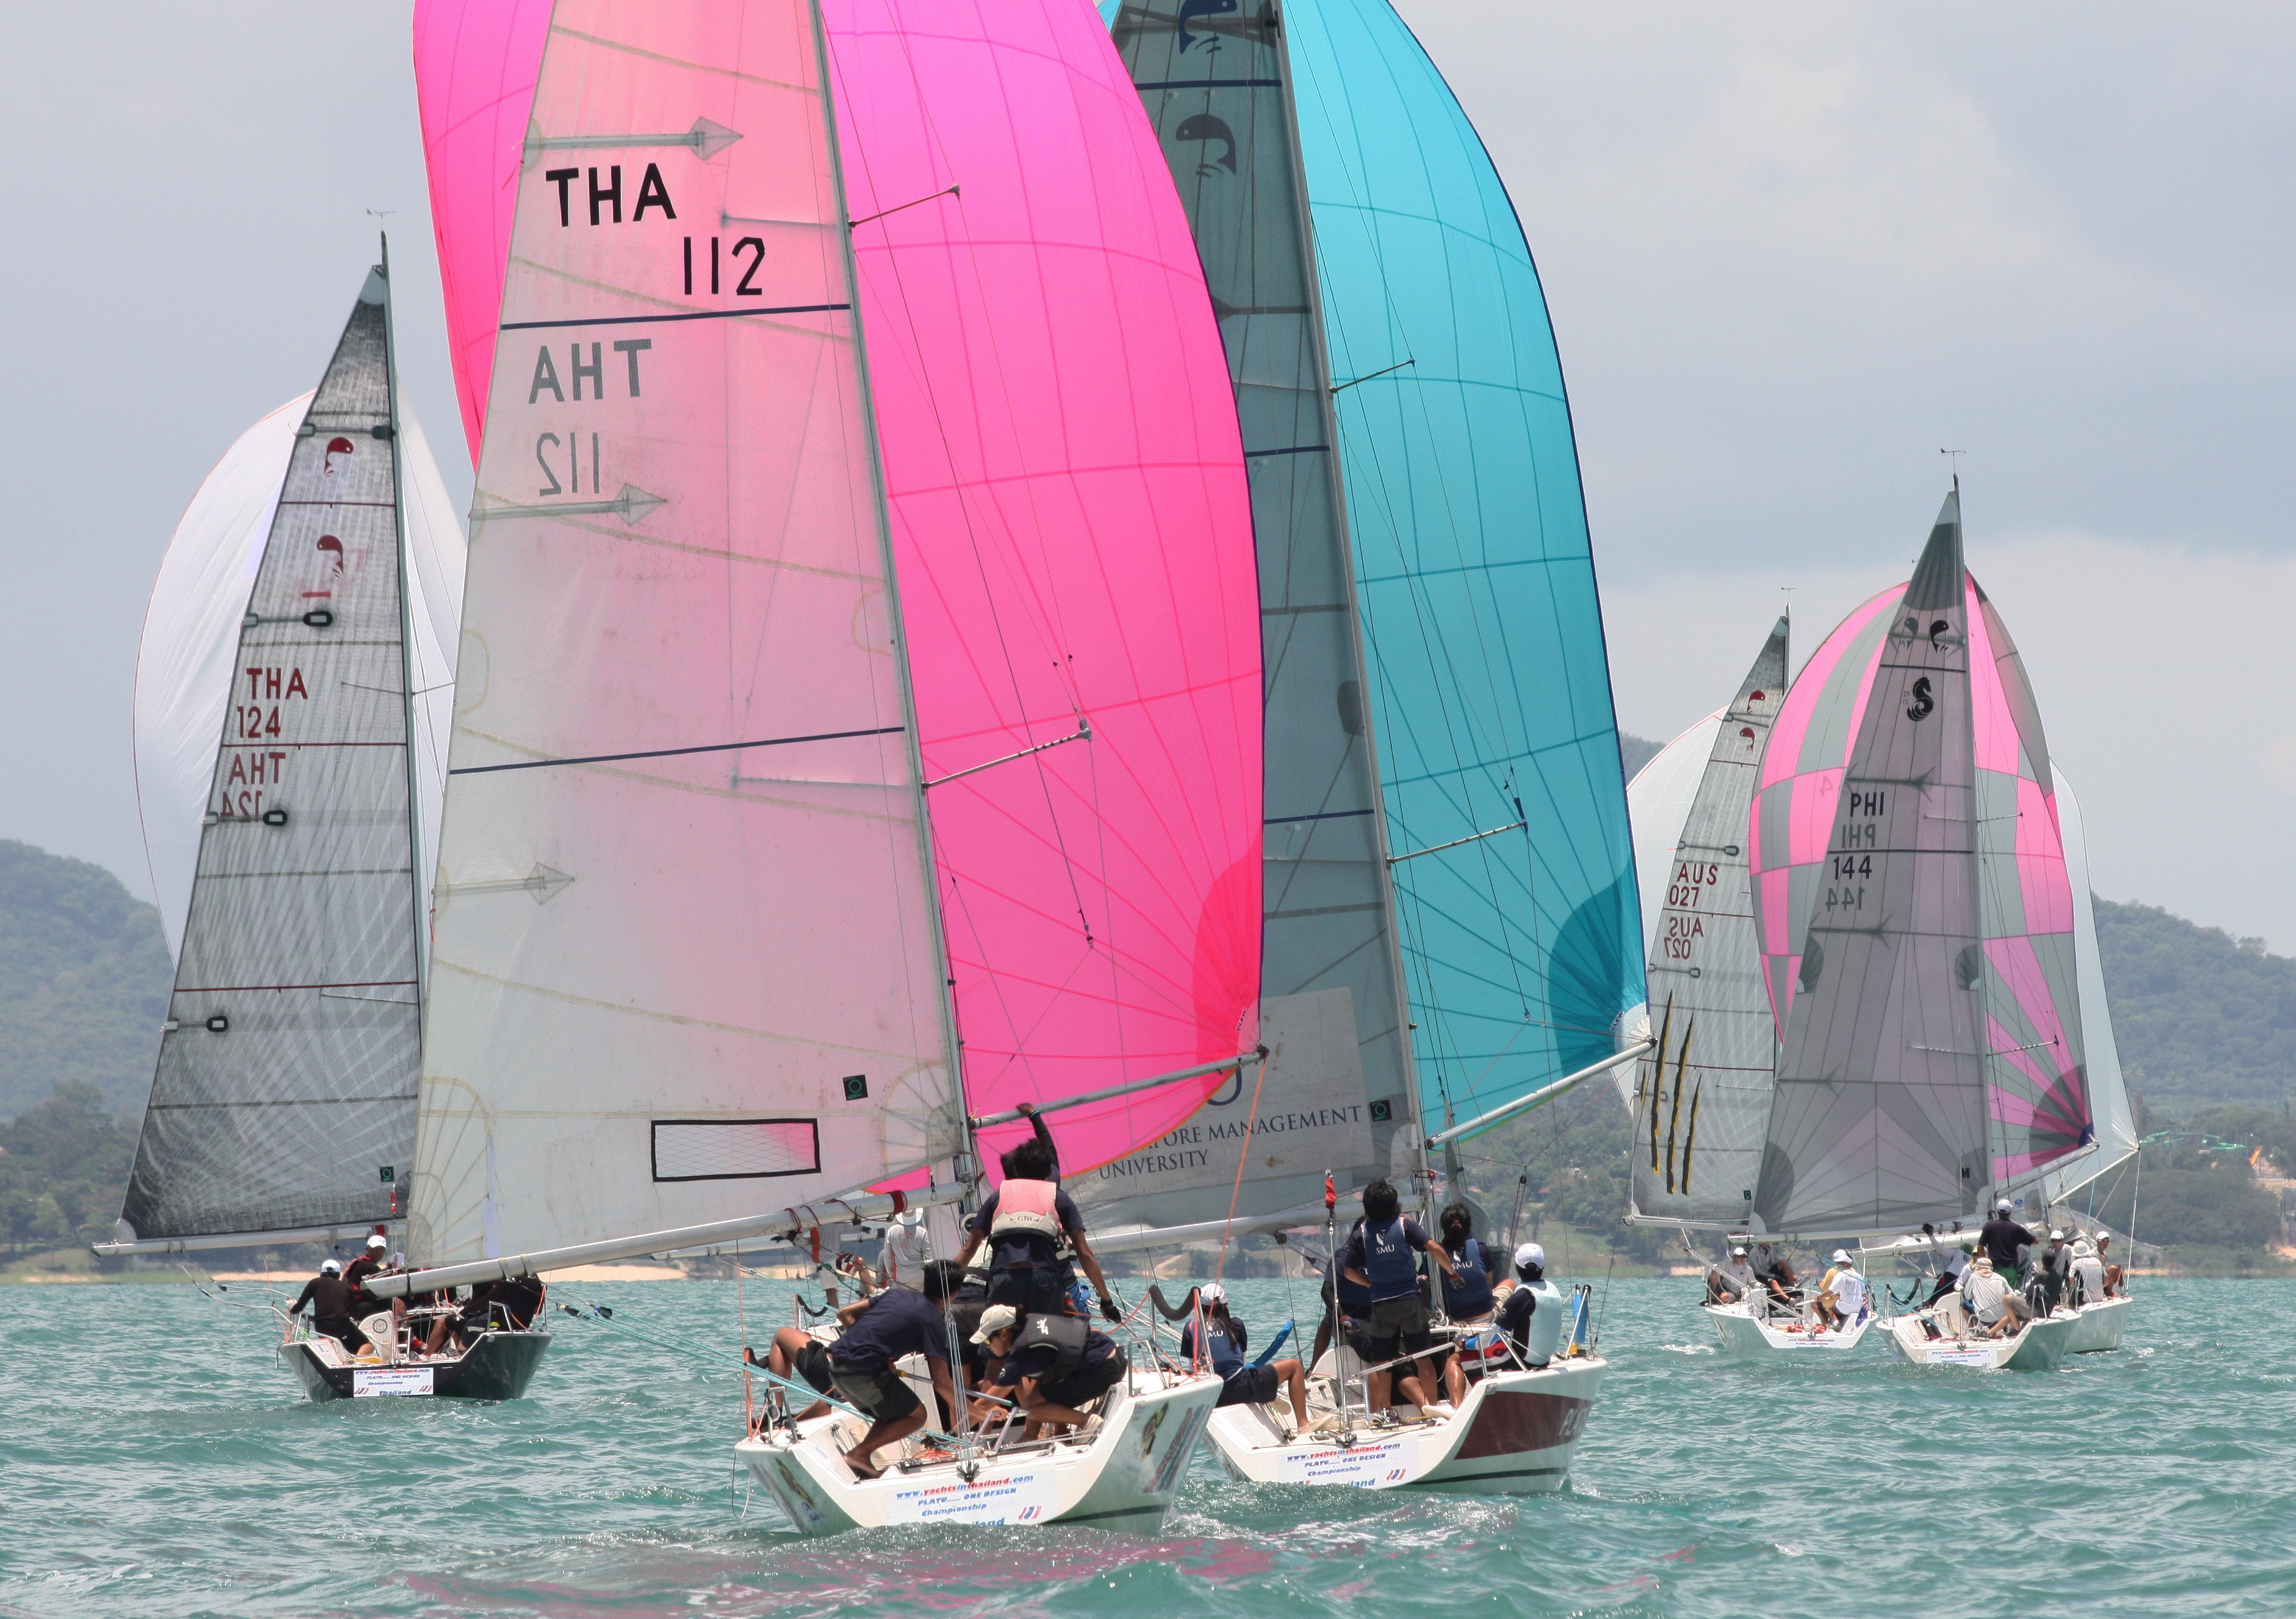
(1924, 704)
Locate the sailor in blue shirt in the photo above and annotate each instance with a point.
(1381, 1256)
(895, 1323)
(1466, 1287)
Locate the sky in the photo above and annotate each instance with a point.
(1790, 252)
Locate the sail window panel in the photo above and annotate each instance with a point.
(734, 1149)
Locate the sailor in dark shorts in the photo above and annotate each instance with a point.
(879, 1332)
(1054, 1363)
(1383, 1257)
(1226, 1344)
(796, 1354)
(332, 1300)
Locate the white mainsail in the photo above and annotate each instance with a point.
(683, 863)
(1702, 1097)
(283, 1102)
(184, 662)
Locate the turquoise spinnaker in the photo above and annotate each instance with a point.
(1482, 625)
(1482, 629)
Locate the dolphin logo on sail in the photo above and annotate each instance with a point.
(1206, 128)
(336, 446)
(1924, 704)
(328, 542)
(1201, 8)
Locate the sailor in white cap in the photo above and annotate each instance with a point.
(2088, 1273)
(1733, 1280)
(331, 1298)
(1532, 1316)
(2053, 1268)
(1841, 1295)
(2004, 1243)
(908, 1246)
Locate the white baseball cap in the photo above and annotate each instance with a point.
(2004, 1206)
(2056, 1235)
(378, 1241)
(330, 1267)
(995, 1320)
(1529, 1254)
(1738, 1251)
(1212, 1292)
(1841, 1256)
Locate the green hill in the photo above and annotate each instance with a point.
(2199, 1016)
(84, 982)
(1635, 751)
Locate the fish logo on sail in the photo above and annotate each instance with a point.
(338, 446)
(1924, 704)
(1205, 127)
(329, 543)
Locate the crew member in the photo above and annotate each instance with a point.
(1467, 1295)
(1841, 1293)
(367, 1264)
(2113, 1275)
(878, 1332)
(1224, 1345)
(1027, 1222)
(1986, 1296)
(2004, 1241)
(796, 1354)
(1532, 1315)
(908, 1246)
(1380, 1257)
(1343, 1300)
(1731, 1280)
(1054, 1363)
(332, 1300)
(2087, 1274)
(2056, 1268)
(1775, 1274)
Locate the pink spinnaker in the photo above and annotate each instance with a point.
(2038, 1100)
(1071, 527)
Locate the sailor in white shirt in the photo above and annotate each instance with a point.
(1951, 1261)
(1732, 1280)
(2088, 1273)
(1841, 1297)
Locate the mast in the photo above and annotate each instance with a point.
(406, 642)
(959, 1124)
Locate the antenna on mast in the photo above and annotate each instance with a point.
(1953, 456)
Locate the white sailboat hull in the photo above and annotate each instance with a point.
(1121, 1475)
(2041, 1347)
(1514, 1435)
(2098, 1326)
(1746, 1335)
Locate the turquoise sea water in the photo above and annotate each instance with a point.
(154, 1459)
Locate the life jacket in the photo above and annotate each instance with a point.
(1470, 1295)
(1028, 1205)
(1389, 1262)
(1219, 1348)
(1544, 1329)
(1354, 1300)
(1067, 1334)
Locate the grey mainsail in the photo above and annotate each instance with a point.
(1879, 1116)
(1338, 1093)
(283, 1100)
(1701, 1099)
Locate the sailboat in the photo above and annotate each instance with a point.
(1448, 908)
(296, 670)
(861, 560)
(1917, 936)
(1702, 1098)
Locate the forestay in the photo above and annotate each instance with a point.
(685, 960)
(1702, 1098)
(284, 1094)
(184, 666)
(1488, 690)
(1336, 1092)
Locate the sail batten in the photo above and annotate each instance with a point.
(281, 1098)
